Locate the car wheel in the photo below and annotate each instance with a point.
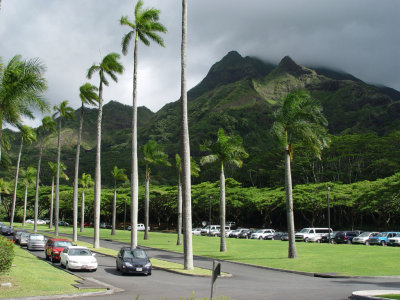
(260, 238)
(47, 257)
(367, 243)
(306, 240)
(93, 270)
(62, 265)
(66, 266)
(319, 241)
(349, 242)
(383, 243)
(52, 259)
(272, 239)
(116, 267)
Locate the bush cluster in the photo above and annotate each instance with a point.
(6, 254)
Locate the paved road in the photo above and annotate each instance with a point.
(247, 282)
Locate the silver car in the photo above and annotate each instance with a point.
(23, 240)
(36, 241)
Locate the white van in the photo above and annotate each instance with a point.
(210, 230)
(312, 234)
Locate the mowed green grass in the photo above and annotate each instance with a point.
(316, 258)
(32, 276)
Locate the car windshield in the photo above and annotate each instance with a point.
(79, 252)
(137, 253)
(25, 234)
(304, 230)
(62, 244)
(237, 230)
(36, 237)
(259, 231)
(382, 234)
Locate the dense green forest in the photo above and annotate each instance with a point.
(239, 94)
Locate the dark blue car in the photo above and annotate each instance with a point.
(381, 238)
(133, 261)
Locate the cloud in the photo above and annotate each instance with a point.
(359, 37)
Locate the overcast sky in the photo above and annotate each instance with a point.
(358, 36)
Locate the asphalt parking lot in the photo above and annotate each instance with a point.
(247, 282)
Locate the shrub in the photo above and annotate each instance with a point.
(6, 254)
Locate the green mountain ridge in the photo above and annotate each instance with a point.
(238, 94)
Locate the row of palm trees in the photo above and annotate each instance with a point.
(298, 117)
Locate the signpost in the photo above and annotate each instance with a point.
(216, 272)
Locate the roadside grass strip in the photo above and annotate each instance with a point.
(31, 276)
(388, 296)
(342, 259)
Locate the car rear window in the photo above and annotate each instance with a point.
(79, 252)
(62, 244)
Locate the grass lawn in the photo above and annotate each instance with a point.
(318, 258)
(32, 277)
(389, 296)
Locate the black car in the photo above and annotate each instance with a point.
(133, 261)
(7, 230)
(325, 238)
(344, 237)
(285, 236)
(275, 236)
(63, 223)
(245, 234)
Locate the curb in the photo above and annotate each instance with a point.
(370, 294)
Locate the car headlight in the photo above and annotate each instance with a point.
(148, 265)
(128, 264)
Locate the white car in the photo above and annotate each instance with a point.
(363, 237)
(41, 222)
(78, 258)
(196, 231)
(312, 234)
(394, 241)
(140, 227)
(261, 234)
(29, 221)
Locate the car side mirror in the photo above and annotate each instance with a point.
(93, 254)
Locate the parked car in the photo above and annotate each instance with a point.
(47, 221)
(133, 261)
(381, 238)
(196, 231)
(7, 230)
(140, 227)
(344, 237)
(261, 234)
(285, 236)
(235, 233)
(245, 234)
(105, 225)
(218, 232)
(312, 234)
(63, 223)
(23, 239)
(41, 222)
(29, 221)
(36, 241)
(16, 236)
(54, 247)
(394, 241)
(78, 258)
(275, 236)
(210, 230)
(363, 237)
(325, 238)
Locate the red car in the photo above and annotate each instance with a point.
(54, 247)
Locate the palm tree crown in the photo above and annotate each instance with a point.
(108, 66)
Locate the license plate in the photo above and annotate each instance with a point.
(138, 269)
(84, 267)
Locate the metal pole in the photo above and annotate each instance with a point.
(209, 224)
(329, 217)
(212, 281)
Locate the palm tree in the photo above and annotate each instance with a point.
(62, 111)
(153, 154)
(88, 96)
(185, 152)
(108, 66)
(28, 135)
(48, 125)
(194, 171)
(86, 182)
(28, 176)
(144, 27)
(226, 150)
(118, 175)
(21, 85)
(53, 169)
(300, 118)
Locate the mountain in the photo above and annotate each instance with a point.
(240, 95)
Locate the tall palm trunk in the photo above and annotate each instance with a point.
(25, 202)
(76, 174)
(97, 179)
(222, 206)
(37, 187)
(179, 239)
(16, 185)
(83, 211)
(134, 175)
(186, 184)
(57, 202)
(146, 205)
(52, 204)
(289, 205)
(114, 211)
